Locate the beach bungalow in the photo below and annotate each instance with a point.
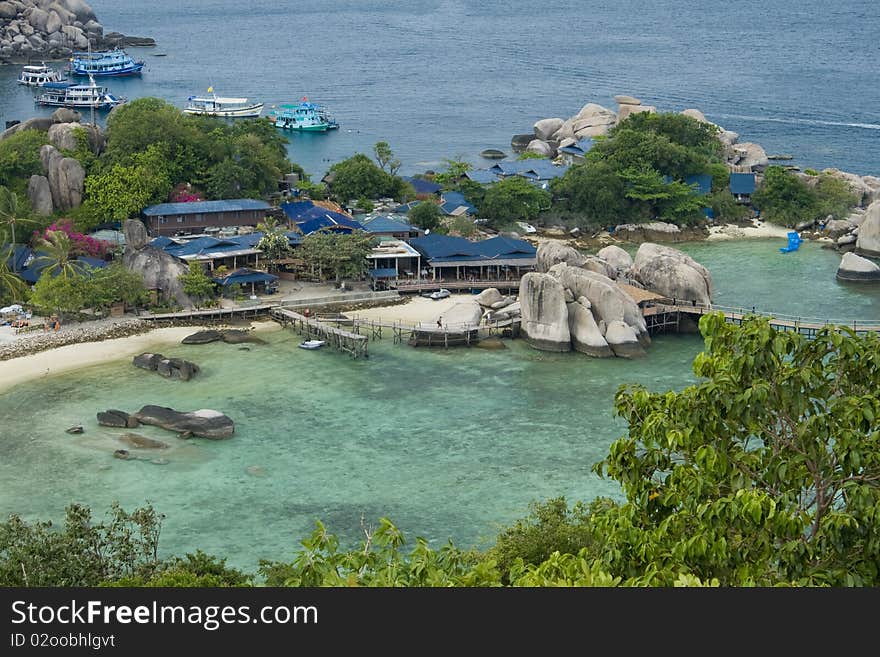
(742, 186)
(702, 183)
(248, 277)
(194, 217)
(424, 188)
(481, 176)
(310, 216)
(577, 152)
(454, 204)
(541, 172)
(231, 252)
(391, 260)
(390, 226)
(455, 258)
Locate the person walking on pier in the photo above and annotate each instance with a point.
(440, 322)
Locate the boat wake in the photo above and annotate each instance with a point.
(773, 119)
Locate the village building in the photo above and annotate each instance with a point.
(742, 186)
(194, 217)
(455, 258)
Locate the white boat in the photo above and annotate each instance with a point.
(37, 76)
(233, 108)
(439, 294)
(311, 344)
(76, 96)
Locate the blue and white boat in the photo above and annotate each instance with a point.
(78, 96)
(38, 75)
(302, 117)
(106, 63)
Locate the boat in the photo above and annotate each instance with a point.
(439, 294)
(105, 63)
(311, 344)
(77, 96)
(38, 75)
(303, 117)
(214, 105)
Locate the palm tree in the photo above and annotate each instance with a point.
(274, 243)
(11, 286)
(11, 210)
(57, 254)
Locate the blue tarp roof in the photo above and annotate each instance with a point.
(742, 183)
(580, 148)
(230, 205)
(703, 181)
(385, 224)
(244, 275)
(482, 176)
(387, 272)
(18, 256)
(209, 244)
(423, 186)
(296, 209)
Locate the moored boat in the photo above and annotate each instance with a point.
(214, 105)
(303, 117)
(38, 75)
(106, 63)
(77, 96)
(311, 344)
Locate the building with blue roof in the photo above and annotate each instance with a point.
(577, 152)
(454, 204)
(742, 186)
(322, 219)
(511, 168)
(244, 276)
(194, 217)
(542, 171)
(482, 176)
(391, 260)
(456, 258)
(231, 252)
(387, 226)
(423, 187)
(701, 181)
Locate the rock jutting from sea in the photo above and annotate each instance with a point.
(576, 301)
(53, 29)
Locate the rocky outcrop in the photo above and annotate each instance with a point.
(460, 315)
(608, 302)
(585, 334)
(544, 312)
(160, 270)
(616, 257)
(66, 178)
(541, 147)
(653, 231)
(63, 137)
(868, 242)
(623, 340)
(672, 273)
(545, 129)
(52, 30)
(232, 336)
(488, 297)
(552, 253)
(116, 418)
(749, 157)
(856, 268)
(40, 195)
(204, 423)
(170, 368)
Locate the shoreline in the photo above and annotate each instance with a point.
(67, 358)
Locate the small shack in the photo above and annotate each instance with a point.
(244, 276)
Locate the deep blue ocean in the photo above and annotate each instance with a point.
(446, 79)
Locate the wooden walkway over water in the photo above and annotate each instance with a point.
(353, 344)
(666, 314)
(212, 315)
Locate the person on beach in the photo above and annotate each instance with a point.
(440, 322)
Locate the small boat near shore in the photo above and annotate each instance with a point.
(115, 62)
(213, 105)
(439, 294)
(78, 96)
(38, 75)
(302, 117)
(311, 344)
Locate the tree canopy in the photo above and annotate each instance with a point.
(359, 177)
(335, 254)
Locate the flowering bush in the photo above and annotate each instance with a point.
(185, 193)
(82, 244)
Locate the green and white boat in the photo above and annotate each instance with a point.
(302, 117)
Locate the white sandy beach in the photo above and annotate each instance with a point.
(75, 356)
(759, 229)
(416, 310)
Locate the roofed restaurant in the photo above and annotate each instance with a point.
(455, 258)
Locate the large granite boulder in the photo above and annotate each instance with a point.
(116, 418)
(585, 335)
(600, 266)
(541, 147)
(868, 242)
(240, 336)
(63, 137)
(672, 273)
(38, 123)
(652, 231)
(40, 195)
(544, 312)
(552, 253)
(147, 361)
(176, 368)
(837, 227)
(489, 297)
(66, 178)
(616, 257)
(463, 314)
(160, 270)
(204, 423)
(856, 268)
(695, 114)
(608, 302)
(8, 10)
(203, 337)
(623, 340)
(750, 157)
(546, 128)
(627, 110)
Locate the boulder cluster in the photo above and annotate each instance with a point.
(170, 368)
(858, 236)
(159, 269)
(576, 301)
(204, 423)
(52, 30)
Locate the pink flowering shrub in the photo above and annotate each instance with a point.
(185, 193)
(82, 244)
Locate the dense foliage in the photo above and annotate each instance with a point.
(513, 199)
(197, 285)
(425, 215)
(331, 254)
(20, 159)
(786, 199)
(88, 288)
(359, 177)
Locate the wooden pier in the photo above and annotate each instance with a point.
(664, 315)
(354, 344)
(425, 285)
(425, 334)
(211, 315)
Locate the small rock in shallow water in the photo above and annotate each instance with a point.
(160, 461)
(123, 454)
(77, 429)
(255, 471)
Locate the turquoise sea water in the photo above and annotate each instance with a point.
(449, 444)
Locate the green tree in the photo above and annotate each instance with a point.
(670, 200)
(595, 193)
(783, 198)
(531, 155)
(725, 207)
(385, 157)
(425, 215)
(462, 226)
(766, 471)
(452, 174)
(834, 197)
(114, 283)
(513, 199)
(274, 243)
(340, 255)
(20, 159)
(196, 284)
(56, 255)
(12, 211)
(12, 287)
(122, 191)
(358, 177)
